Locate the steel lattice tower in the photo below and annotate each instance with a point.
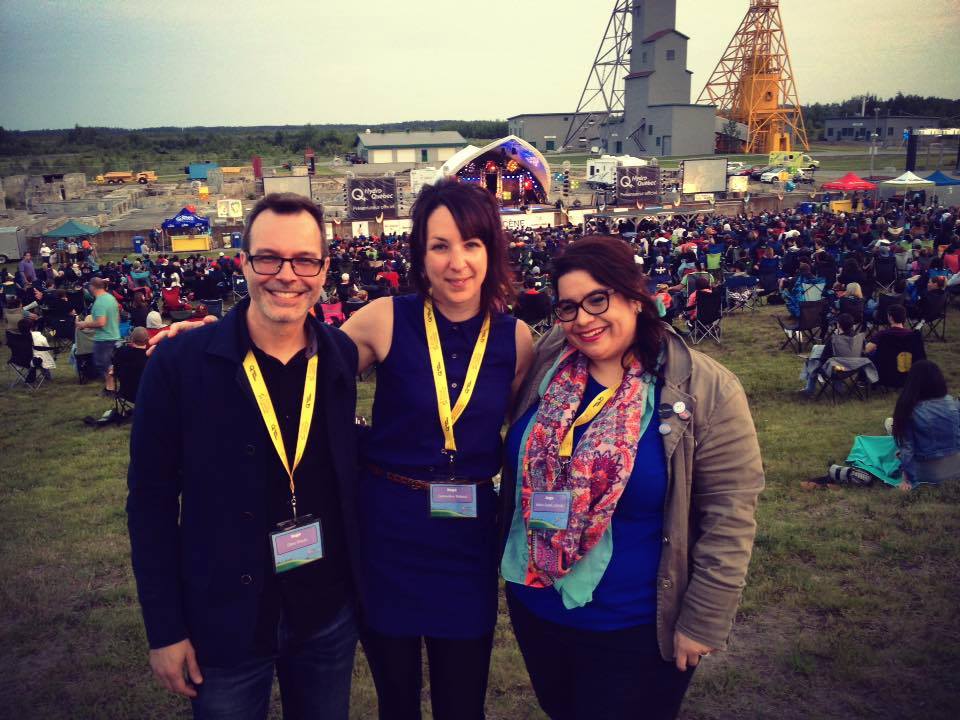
(610, 67)
(753, 83)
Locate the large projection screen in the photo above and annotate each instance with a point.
(299, 184)
(704, 176)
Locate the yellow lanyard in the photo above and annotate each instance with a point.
(595, 406)
(449, 417)
(252, 368)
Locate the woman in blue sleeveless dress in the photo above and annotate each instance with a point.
(428, 577)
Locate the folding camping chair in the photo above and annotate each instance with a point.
(842, 380)
(62, 332)
(709, 317)
(880, 313)
(333, 314)
(741, 293)
(808, 325)
(214, 307)
(22, 361)
(769, 286)
(239, 286)
(128, 365)
(535, 310)
(885, 273)
(852, 306)
(933, 315)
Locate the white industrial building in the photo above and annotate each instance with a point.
(408, 147)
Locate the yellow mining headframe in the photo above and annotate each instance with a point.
(753, 84)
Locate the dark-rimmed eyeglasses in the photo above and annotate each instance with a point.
(273, 264)
(596, 303)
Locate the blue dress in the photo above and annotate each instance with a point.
(424, 576)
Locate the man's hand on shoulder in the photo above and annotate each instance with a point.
(173, 664)
(177, 328)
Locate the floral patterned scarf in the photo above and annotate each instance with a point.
(598, 471)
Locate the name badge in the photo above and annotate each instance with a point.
(293, 547)
(550, 510)
(453, 501)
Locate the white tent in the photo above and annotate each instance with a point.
(908, 181)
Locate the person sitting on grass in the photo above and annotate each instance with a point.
(923, 445)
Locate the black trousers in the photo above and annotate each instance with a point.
(458, 675)
(587, 675)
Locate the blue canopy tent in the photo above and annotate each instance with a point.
(188, 231)
(186, 220)
(939, 179)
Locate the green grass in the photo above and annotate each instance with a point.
(849, 611)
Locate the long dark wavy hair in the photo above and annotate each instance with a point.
(924, 382)
(477, 216)
(609, 261)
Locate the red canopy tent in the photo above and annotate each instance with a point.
(849, 183)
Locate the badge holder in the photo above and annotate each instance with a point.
(296, 543)
(550, 510)
(451, 499)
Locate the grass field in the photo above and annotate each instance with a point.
(850, 608)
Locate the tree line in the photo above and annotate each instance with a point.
(331, 139)
(947, 110)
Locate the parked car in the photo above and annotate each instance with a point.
(756, 172)
(773, 174)
(734, 168)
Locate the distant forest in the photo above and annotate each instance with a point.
(95, 149)
(947, 110)
(239, 142)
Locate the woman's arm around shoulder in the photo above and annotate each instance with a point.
(371, 329)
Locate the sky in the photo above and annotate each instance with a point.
(123, 63)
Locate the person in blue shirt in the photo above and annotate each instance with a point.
(926, 428)
(628, 494)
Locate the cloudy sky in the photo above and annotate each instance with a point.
(126, 63)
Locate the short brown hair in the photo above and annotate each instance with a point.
(477, 216)
(609, 261)
(285, 204)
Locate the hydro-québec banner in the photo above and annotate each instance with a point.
(638, 184)
(369, 198)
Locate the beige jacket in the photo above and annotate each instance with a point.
(715, 475)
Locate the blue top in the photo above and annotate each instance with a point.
(428, 576)
(933, 432)
(627, 594)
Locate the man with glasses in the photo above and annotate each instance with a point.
(243, 525)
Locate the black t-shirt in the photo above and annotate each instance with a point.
(310, 596)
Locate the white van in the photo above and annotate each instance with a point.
(13, 243)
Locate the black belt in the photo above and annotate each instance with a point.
(422, 484)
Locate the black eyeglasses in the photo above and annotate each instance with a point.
(272, 265)
(596, 303)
